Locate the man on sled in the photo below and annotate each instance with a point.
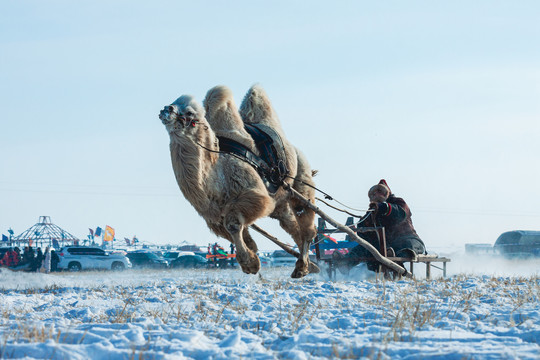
(394, 215)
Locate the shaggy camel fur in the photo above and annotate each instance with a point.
(227, 191)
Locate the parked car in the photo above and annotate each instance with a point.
(77, 258)
(189, 261)
(479, 249)
(171, 255)
(282, 258)
(146, 259)
(265, 260)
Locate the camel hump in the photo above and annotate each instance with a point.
(217, 96)
(223, 117)
(256, 108)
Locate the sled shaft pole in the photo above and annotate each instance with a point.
(284, 246)
(381, 259)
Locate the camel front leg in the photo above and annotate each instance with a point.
(248, 259)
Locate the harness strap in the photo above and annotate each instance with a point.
(272, 151)
(230, 146)
(270, 164)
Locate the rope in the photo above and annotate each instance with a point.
(338, 209)
(328, 197)
(311, 186)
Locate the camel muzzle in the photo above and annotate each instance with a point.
(169, 115)
(165, 115)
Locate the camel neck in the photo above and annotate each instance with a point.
(192, 166)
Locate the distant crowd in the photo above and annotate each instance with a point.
(30, 260)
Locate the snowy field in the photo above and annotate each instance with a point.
(492, 313)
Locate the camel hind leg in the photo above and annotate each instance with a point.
(304, 216)
(299, 223)
(306, 223)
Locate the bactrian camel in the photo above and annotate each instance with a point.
(227, 191)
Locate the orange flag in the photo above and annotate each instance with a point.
(109, 234)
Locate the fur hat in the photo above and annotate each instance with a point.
(383, 182)
(381, 188)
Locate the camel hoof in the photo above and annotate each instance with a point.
(301, 269)
(251, 265)
(297, 273)
(313, 268)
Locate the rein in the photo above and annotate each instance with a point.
(328, 197)
(229, 153)
(344, 211)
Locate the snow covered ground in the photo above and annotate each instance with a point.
(223, 314)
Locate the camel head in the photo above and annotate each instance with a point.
(183, 115)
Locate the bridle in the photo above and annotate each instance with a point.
(184, 119)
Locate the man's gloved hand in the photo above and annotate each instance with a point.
(380, 209)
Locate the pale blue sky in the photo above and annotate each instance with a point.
(440, 98)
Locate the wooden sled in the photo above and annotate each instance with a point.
(410, 258)
(381, 258)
